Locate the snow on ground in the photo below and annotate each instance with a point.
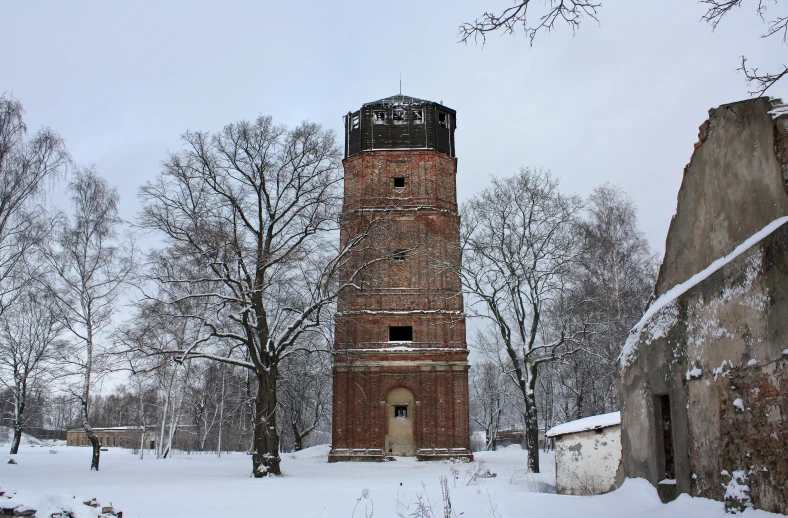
(7, 433)
(205, 485)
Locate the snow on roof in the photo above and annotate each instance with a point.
(630, 347)
(595, 422)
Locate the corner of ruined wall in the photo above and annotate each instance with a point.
(735, 184)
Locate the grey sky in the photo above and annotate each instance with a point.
(620, 102)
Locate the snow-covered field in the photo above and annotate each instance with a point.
(205, 485)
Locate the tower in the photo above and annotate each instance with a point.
(400, 361)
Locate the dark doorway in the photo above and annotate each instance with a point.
(665, 454)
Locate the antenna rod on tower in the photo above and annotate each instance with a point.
(400, 82)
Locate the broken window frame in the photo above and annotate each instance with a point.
(400, 411)
(399, 180)
(417, 116)
(399, 255)
(443, 120)
(379, 117)
(399, 116)
(354, 121)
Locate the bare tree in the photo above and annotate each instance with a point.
(305, 394)
(250, 218)
(490, 398)
(91, 269)
(25, 166)
(612, 284)
(571, 12)
(776, 25)
(29, 333)
(519, 245)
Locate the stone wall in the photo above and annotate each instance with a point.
(719, 352)
(733, 186)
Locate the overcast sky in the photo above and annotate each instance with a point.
(619, 101)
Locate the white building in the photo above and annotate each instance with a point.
(588, 457)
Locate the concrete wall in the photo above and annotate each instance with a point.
(733, 186)
(720, 352)
(589, 463)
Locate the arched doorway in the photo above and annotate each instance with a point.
(401, 413)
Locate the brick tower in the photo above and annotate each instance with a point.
(400, 366)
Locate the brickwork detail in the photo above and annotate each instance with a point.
(753, 433)
(418, 227)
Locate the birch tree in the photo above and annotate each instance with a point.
(91, 268)
(519, 245)
(29, 335)
(26, 164)
(612, 283)
(253, 210)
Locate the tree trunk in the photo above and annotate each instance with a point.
(531, 433)
(298, 439)
(16, 440)
(265, 460)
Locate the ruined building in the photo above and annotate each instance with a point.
(400, 366)
(704, 374)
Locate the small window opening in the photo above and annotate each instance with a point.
(399, 117)
(399, 182)
(401, 334)
(379, 117)
(401, 412)
(443, 119)
(665, 431)
(398, 255)
(418, 116)
(354, 122)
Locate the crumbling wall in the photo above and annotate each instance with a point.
(720, 352)
(734, 185)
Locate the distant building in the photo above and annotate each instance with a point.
(127, 436)
(401, 360)
(588, 455)
(704, 374)
(515, 435)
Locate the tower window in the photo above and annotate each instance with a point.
(399, 116)
(399, 182)
(354, 122)
(443, 119)
(418, 116)
(401, 412)
(398, 255)
(400, 333)
(379, 117)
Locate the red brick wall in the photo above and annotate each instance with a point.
(420, 292)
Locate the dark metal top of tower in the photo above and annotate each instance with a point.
(400, 122)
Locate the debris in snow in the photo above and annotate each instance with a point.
(668, 482)
(752, 362)
(738, 403)
(11, 461)
(694, 373)
(737, 493)
(667, 302)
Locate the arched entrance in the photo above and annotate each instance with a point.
(401, 413)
